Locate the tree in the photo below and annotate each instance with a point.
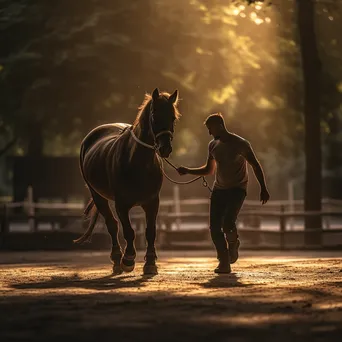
(110, 54)
(68, 68)
(312, 72)
(314, 83)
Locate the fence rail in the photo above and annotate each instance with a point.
(165, 203)
(192, 215)
(171, 237)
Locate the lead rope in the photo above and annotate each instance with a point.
(154, 147)
(204, 182)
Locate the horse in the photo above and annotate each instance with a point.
(122, 163)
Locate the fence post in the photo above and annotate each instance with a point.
(290, 186)
(168, 232)
(326, 219)
(4, 221)
(177, 207)
(282, 227)
(30, 209)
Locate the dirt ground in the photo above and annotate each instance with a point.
(49, 296)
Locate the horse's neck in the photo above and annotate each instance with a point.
(142, 154)
(144, 134)
(144, 128)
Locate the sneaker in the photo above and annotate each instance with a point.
(234, 251)
(224, 264)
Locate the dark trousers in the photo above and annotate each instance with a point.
(225, 206)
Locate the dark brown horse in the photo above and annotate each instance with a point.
(119, 162)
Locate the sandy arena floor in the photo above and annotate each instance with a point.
(48, 296)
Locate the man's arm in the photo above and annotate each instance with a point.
(204, 170)
(250, 156)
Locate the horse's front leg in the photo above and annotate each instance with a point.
(151, 212)
(128, 259)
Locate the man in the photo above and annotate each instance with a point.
(229, 152)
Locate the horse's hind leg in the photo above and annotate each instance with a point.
(102, 206)
(128, 260)
(151, 211)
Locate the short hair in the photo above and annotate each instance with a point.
(214, 118)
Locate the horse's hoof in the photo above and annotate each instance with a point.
(117, 269)
(150, 269)
(115, 259)
(127, 268)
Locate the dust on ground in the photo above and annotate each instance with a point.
(50, 296)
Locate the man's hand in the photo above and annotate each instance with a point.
(264, 196)
(182, 170)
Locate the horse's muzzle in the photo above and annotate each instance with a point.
(164, 139)
(165, 151)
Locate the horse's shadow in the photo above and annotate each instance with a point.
(109, 282)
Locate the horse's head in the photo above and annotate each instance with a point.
(163, 115)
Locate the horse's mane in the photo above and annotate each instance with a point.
(144, 111)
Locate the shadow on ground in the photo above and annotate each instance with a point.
(109, 282)
(224, 281)
(160, 315)
(263, 301)
(124, 281)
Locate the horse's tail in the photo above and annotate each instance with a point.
(90, 210)
(86, 237)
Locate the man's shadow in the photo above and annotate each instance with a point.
(224, 281)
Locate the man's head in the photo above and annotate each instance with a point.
(215, 124)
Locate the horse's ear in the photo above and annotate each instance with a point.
(174, 97)
(155, 94)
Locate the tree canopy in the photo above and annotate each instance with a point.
(66, 67)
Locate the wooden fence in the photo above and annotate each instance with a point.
(184, 223)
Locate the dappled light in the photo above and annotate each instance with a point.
(267, 295)
(232, 57)
(170, 170)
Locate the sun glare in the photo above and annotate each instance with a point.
(258, 21)
(241, 11)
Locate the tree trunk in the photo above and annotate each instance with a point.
(334, 159)
(311, 66)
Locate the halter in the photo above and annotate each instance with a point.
(155, 148)
(155, 136)
(152, 147)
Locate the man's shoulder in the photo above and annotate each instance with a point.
(240, 140)
(211, 146)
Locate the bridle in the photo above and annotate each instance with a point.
(155, 136)
(155, 147)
